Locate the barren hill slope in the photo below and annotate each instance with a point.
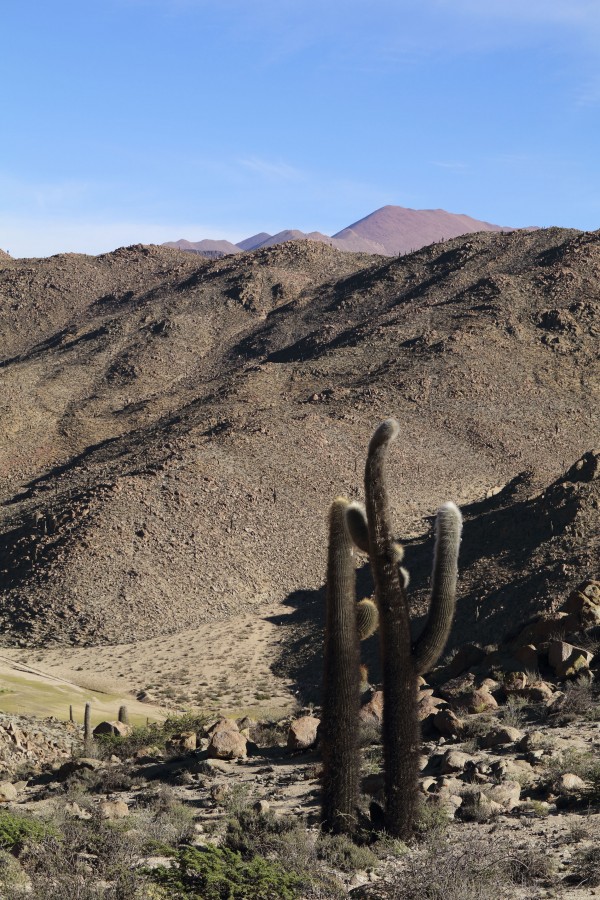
(175, 428)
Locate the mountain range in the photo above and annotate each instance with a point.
(389, 231)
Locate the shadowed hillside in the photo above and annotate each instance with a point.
(174, 428)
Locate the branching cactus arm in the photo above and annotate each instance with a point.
(430, 645)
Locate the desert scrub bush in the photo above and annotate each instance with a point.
(585, 765)
(513, 712)
(432, 818)
(468, 869)
(153, 735)
(581, 701)
(340, 852)
(162, 819)
(71, 864)
(586, 868)
(18, 830)
(218, 873)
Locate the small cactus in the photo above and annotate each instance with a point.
(123, 715)
(367, 619)
(87, 727)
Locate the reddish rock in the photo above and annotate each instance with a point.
(372, 711)
(303, 733)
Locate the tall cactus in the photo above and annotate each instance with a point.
(341, 685)
(401, 661)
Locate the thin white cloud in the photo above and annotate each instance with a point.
(453, 166)
(42, 195)
(278, 171)
(583, 13)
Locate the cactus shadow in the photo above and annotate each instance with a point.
(300, 657)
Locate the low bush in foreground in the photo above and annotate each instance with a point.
(216, 873)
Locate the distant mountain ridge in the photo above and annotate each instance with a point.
(388, 231)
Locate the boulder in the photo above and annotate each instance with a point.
(501, 735)
(584, 602)
(303, 733)
(8, 792)
(228, 744)
(506, 794)
(475, 701)
(448, 723)
(118, 729)
(567, 660)
(569, 783)
(222, 725)
(454, 761)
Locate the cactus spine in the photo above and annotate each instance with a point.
(401, 662)
(341, 687)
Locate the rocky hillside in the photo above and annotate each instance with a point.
(174, 428)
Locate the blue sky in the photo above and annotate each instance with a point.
(128, 121)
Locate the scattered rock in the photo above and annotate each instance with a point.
(497, 737)
(567, 660)
(118, 729)
(8, 792)
(113, 809)
(303, 733)
(229, 744)
(372, 711)
(569, 783)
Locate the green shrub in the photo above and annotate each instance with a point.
(215, 873)
(154, 735)
(18, 829)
